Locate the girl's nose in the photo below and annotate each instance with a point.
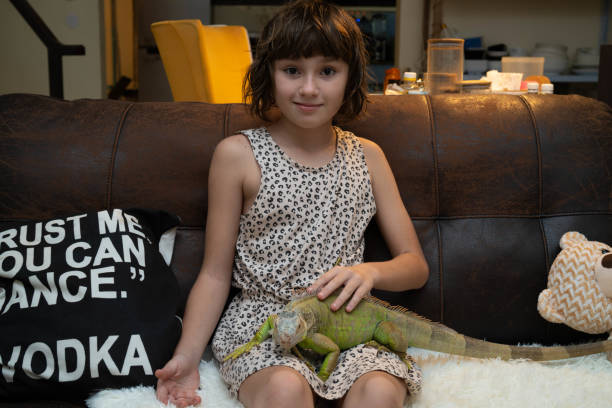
(309, 86)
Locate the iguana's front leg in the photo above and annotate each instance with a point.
(323, 345)
(265, 331)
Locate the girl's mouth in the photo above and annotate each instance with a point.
(307, 107)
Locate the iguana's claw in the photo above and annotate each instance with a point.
(301, 357)
(323, 376)
(377, 345)
(402, 356)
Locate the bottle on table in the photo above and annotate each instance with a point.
(547, 89)
(392, 76)
(533, 87)
(409, 80)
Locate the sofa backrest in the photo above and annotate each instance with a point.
(491, 182)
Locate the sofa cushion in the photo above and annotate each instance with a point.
(87, 301)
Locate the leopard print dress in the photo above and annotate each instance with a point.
(303, 219)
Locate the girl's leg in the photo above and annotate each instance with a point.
(376, 389)
(276, 387)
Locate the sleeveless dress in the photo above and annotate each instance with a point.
(302, 220)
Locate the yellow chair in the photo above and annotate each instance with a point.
(203, 63)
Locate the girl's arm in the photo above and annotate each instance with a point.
(179, 379)
(406, 270)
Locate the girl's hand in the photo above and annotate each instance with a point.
(357, 280)
(177, 382)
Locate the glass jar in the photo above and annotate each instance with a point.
(444, 65)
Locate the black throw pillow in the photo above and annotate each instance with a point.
(87, 302)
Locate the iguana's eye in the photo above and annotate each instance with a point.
(604, 251)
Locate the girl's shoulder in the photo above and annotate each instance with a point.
(242, 138)
(369, 147)
(371, 151)
(233, 145)
(373, 154)
(233, 150)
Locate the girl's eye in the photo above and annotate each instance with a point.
(328, 71)
(291, 70)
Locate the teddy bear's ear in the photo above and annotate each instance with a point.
(571, 238)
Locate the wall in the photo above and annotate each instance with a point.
(517, 23)
(120, 61)
(24, 58)
(253, 18)
(523, 23)
(409, 35)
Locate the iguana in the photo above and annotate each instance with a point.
(309, 324)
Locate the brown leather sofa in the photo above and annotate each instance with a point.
(492, 182)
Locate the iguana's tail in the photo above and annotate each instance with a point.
(483, 349)
(446, 340)
(419, 332)
(436, 337)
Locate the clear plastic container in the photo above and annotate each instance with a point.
(444, 65)
(528, 66)
(439, 83)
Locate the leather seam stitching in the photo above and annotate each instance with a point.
(540, 177)
(536, 132)
(226, 119)
(432, 130)
(440, 274)
(109, 180)
(539, 153)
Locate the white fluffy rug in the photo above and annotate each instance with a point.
(448, 382)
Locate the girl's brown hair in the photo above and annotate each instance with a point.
(302, 29)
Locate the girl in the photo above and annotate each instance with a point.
(285, 203)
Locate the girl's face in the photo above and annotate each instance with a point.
(310, 91)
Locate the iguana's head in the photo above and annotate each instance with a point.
(290, 329)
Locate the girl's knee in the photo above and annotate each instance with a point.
(285, 380)
(381, 389)
(279, 387)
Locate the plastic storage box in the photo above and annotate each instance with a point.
(526, 65)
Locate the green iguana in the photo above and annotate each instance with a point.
(309, 324)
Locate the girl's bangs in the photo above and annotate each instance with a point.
(311, 42)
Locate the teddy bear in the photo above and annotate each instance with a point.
(579, 292)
